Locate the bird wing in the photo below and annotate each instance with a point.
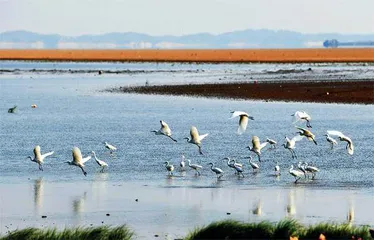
(102, 163)
(47, 154)
(335, 133)
(165, 128)
(201, 137)
(256, 142)
(238, 113)
(194, 133)
(298, 115)
(37, 151)
(262, 145)
(297, 138)
(350, 148)
(302, 129)
(85, 159)
(77, 155)
(243, 122)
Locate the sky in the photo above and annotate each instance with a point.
(181, 17)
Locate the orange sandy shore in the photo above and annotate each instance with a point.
(196, 55)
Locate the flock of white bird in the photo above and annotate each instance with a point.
(303, 168)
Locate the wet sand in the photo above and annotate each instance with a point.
(361, 92)
(195, 55)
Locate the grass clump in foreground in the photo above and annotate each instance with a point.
(230, 229)
(91, 233)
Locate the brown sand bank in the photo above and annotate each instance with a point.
(196, 55)
(326, 91)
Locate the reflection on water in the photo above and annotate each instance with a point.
(351, 213)
(257, 210)
(78, 204)
(291, 207)
(38, 193)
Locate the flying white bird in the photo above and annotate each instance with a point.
(257, 146)
(344, 138)
(216, 170)
(196, 138)
(297, 174)
(290, 144)
(311, 169)
(195, 167)
(110, 147)
(169, 167)
(182, 164)
(331, 140)
(271, 142)
(277, 169)
(253, 165)
(164, 130)
(308, 134)
(243, 120)
(301, 115)
(38, 157)
(78, 160)
(101, 163)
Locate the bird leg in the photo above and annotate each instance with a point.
(308, 124)
(172, 138)
(200, 150)
(40, 167)
(84, 172)
(259, 157)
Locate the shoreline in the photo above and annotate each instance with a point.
(307, 55)
(348, 92)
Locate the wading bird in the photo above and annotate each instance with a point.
(110, 147)
(216, 170)
(331, 141)
(290, 144)
(232, 163)
(253, 165)
(239, 170)
(297, 174)
(101, 163)
(277, 169)
(308, 134)
(311, 169)
(169, 167)
(344, 138)
(182, 164)
(196, 138)
(257, 146)
(164, 130)
(78, 160)
(195, 167)
(38, 157)
(301, 167)
(243, 120)
(271, 142)
(301, 115)
(12, 110)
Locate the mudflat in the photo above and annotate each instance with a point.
(195, 55)
(322, 91)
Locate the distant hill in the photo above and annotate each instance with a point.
(262, 38)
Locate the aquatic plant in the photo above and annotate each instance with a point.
(92, 233)
(229, 229)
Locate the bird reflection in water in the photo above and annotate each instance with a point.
(291, 207)
(78, 204)
(257, 209)
(351, 213)
(38, 193)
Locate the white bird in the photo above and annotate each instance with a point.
(297, 174)
(344, 138)
(169, 167)
(331, 141)
(110, 147)
(216, 170)
(277, 169)
(301, 115)
(182, 164)
(195, 167)
(308, 134)
(290, 144)
(38, 157)
(239, 170)
(257, 146)
(78, 160)
(196, 138)
(233, 164)
(301, 167)
(164, 130)
(101, 163)
(311, 169)
(243, 120)
(253, 165)
(271, 142)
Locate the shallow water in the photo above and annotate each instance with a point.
(73, 111)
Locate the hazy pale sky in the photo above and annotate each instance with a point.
(180, 17)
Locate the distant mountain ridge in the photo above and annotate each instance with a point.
(249, 38)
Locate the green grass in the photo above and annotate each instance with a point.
(230, 229)
(89, 233)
